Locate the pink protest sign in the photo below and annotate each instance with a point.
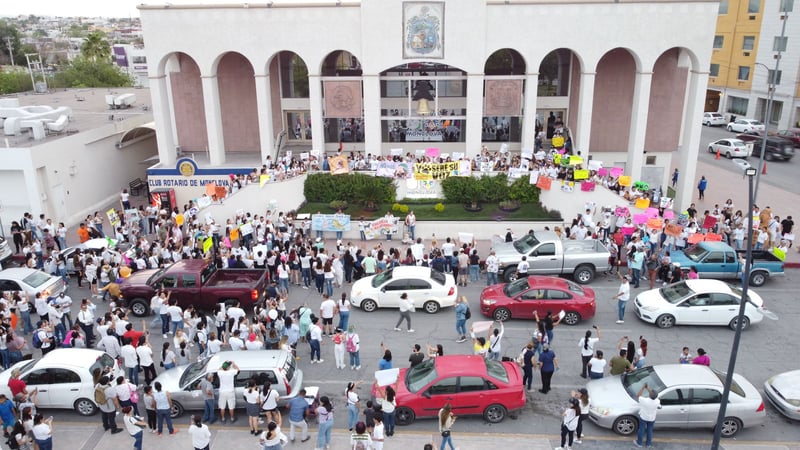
(433, 152)
(651, 213)
(639, 219)
(616, 171)
(602, 172)
(669, 214)
(709, 222)
(627, 231)
(621, 211)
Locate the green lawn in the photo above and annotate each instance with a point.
(452, 211)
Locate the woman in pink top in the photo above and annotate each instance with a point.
(701, 358)
(693, 275)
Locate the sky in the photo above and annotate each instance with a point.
(103, 8)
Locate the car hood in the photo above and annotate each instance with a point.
(679, 257)
(170, 379)
(608, 393)
(493, 291)
(788, 384)
(138, 278)
(505, 250)
(652, 297)
(362, 285)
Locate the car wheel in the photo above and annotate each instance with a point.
(730, 128)
(665, 321)
(501, 314)
(431, 307)
(768, 155)
(85, 407)
(745, 323)
(510, 274)
(404, 416)
(758, 279)
(571, 318)
(138, 307)
(710, 149)
(495, 413)
(176, 410)
(730, 426)
(625, 425)
(708, 124)
(369, 305)
(584, 274)
(728, 155)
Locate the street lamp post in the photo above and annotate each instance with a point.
(750, 172)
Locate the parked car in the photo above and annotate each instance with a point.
(750, 136)
(5, 250)
(777, 148)
(698, 302)
(730, 148)
(745, 126)
(690, 396)
(520, 299)
(65, 377)
(425, 286)
(792, 134)
(547, 254)
(194, 282)
(472, 384)
(782, 392)
(95, 245)
(712, 119)
(276, 366)
(720, 260)
(30, 281)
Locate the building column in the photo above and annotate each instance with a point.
(264, 105)
(687, 154)
(315, 103)
(167, 153)
(583, 133)
(216, 143)
(474, 114)
(529, 110)
(639, 112)
(372, 114)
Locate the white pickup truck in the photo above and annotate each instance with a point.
(547, 254)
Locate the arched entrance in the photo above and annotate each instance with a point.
(613, 101)
(343, 98)
(187, 102)
(503, 96)
(237, 98)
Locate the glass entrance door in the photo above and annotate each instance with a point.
(298, 125)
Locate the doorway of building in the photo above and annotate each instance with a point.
(298, 125)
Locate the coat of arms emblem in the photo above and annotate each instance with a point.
(423, 33)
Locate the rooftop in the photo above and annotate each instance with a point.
(89, 110)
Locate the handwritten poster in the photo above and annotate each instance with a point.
(642, 203)
(673, 229)
(621, 211)
(655, 223)
(625, 180)
(616, 171)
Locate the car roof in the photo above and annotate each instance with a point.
(410, 271)
(678, 374)
(706, 285)
(535, 281)
(74, 357)
(248, 360)
(17, 273)
(716, 246)
(465, 365)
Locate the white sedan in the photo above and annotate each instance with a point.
(745, 126)
(730, 148)
(698, 302)
(30, 281)
(426, 287)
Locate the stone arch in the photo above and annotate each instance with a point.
(559, 76)
(340, 63)
(237, 100)
(614, 86)
(505, 61)
(188, 107)
(667, 94)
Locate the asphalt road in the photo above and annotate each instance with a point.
(766, 349)
(779, 173)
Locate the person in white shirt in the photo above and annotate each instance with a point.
(235, 313)
(495, 343)
(326, 310)
(522, 267)
(145, 353)
(406, 308)
(622, 297)
(587, 349)
(648, 407)
(235, 341)
(175, 316)
(597, 365)
(227, 395)
(131, 360)
(492, 268)
(201, 436)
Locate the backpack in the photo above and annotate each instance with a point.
(468, 314)
(37, 341)
(11, 441)
(100, 395)
(350, 346)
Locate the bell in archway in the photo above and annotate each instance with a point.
(422, 107)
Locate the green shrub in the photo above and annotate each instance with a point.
(439, 207)
(400, 208)
(494, 188)
(462, 190)
(523, 191)
(359, 188)
(338, 204)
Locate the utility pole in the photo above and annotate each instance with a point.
(10, 50)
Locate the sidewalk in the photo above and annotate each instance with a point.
(87, 437)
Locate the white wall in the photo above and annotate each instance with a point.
(771, 24)
(287, 195)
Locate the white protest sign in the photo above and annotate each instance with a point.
(387, 377)
(481, 326)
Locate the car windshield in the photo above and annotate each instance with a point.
(438, 277)
(676, 292)
(420, 375)
(27, 366)
(515, 287)
(575, 287)
(695, 253)
(156, 276)
(496, 370)
(755, 122)
(381, 278)
(525, 243)
(102, 364)
(193, 371)
(633, 381)
(735, 388)
(36, 279)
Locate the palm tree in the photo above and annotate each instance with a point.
(96, 47)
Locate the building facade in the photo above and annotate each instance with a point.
(627, 77)
(745, 53)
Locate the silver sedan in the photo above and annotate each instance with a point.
(730, 148)
(783, 391)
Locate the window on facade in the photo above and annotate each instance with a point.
(779, 44)
(435, 129)
(737, 105)
(744, 73)
(139, 60)
(714, 70)
(777, 111)
(294, 76)
(723, 7)
(787, 5)
(344, 130)
(554, 73)
(748, 43)
(719, 41)
(501, 129)
(774, 77)
(753, 6)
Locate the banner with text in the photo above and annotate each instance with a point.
(330, 222)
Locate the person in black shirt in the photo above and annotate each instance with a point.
(692, 211)
(786, 229)
(416, 356)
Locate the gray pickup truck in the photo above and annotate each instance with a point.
(547, 254)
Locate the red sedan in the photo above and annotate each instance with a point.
(471, 384)
(519, 299)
